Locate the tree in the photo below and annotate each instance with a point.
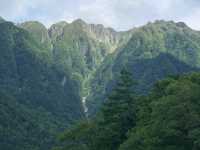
(109, 129)
(118, 113)
(173, 118)
(79, 137)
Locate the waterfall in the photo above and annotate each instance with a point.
(84, 105)
(63, 81)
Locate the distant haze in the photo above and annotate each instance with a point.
(119, 14)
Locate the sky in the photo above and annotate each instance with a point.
(119, 14)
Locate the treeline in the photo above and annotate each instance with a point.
(166, 119)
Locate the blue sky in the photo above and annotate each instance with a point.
(119, 14)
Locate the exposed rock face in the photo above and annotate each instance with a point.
(56, 30)
(108, 37)
(38, 31)
(79, 48)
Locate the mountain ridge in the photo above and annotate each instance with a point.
(66, 72)
(95, 31)
(93, 43)
(148, 42)
(80, 36)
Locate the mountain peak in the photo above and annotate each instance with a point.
(1, 19)
(79, 21)
(38, 31)
(58, 25)
(57, 29)
(29, 24)
(181, 24)
(178, 24)
(61, 23)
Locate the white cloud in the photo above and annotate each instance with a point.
(120, 14)
(194, 20)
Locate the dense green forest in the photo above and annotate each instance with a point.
(153, 52)
(107, 90)
(166, 119)
(44, 73)
(35, 105)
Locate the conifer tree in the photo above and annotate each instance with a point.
(118, 113)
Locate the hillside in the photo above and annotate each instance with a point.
(45, 74)
(36, 88)
(155, 51)
(168, 118)
(52, 78)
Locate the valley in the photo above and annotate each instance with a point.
(51, 78)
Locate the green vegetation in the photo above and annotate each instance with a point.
(44, 99)
(39, 32)
(23, 127)
(169, 117)
(115, 119)
(80, 48)
(52, 78)
(154, 52)
(166, 119)
(46, 73)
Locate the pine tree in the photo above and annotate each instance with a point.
(118, 114)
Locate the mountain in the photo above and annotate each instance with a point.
(60, 75)
(154, 51)
(45, 75)
(1, 19)
(56, 30)
(39, 32)
(43, 97)
(80, 48)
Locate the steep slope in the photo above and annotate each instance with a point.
(39, 32)
(46, 73)
(56, 30)
(92, 42)
(80, 48)
(46, 93)
(154, 51)
(77, 47)
(1, 20)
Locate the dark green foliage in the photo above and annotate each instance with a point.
(22, 127)
(46, 94)
(109, 130)
(170, 119)
(154, 52)
(166, 119)
(49, 71)
(118, 114)
(44, 74)
(82, 136)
